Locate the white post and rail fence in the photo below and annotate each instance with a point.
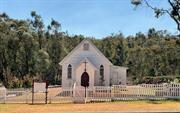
(92, 94)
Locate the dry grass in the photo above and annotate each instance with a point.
(113, 106)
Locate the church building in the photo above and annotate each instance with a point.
(85, 65)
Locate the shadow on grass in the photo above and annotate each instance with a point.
(154, 102)
(174, 99)
(150, 101)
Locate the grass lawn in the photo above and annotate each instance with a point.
(111, 106)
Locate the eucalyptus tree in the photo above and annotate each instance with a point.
(4, 29)
(54, 50)
(42, 64)
(173, 11)
(38, 26)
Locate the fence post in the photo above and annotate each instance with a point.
(26, 96)
(179, 90)
(138, 91)
(73, 90)
(87, 94)
(33, 92)
(46, 92)
(165, 91)
(5, 95)
(112, 92)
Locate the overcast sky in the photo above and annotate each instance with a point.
(97, 18)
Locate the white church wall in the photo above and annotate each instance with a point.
(122, 73)
(118, 75)
(96, 78)
(67, 82)
(80, 70)
(106, 75)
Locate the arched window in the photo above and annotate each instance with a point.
(101, 70)
(69, 71)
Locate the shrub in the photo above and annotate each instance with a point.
(153, 80)
(27, 84)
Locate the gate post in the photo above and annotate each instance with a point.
(46, 92)
(33, 92)
(86, 94)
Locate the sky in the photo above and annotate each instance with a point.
(92, 18)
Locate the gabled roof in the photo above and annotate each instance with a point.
(79, 45)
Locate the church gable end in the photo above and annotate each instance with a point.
(81, 51)
(86, 58)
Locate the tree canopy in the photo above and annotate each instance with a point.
(30, 50)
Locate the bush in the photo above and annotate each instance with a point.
(27, 84)
(153, 80)
(16, 84)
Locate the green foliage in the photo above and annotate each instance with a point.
(153, 80)
(42, 64)
(29, 51)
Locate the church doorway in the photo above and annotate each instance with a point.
(85, 79)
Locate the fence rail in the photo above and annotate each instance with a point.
(92, 94)
(136, 92)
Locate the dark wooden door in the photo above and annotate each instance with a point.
(85, 79)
